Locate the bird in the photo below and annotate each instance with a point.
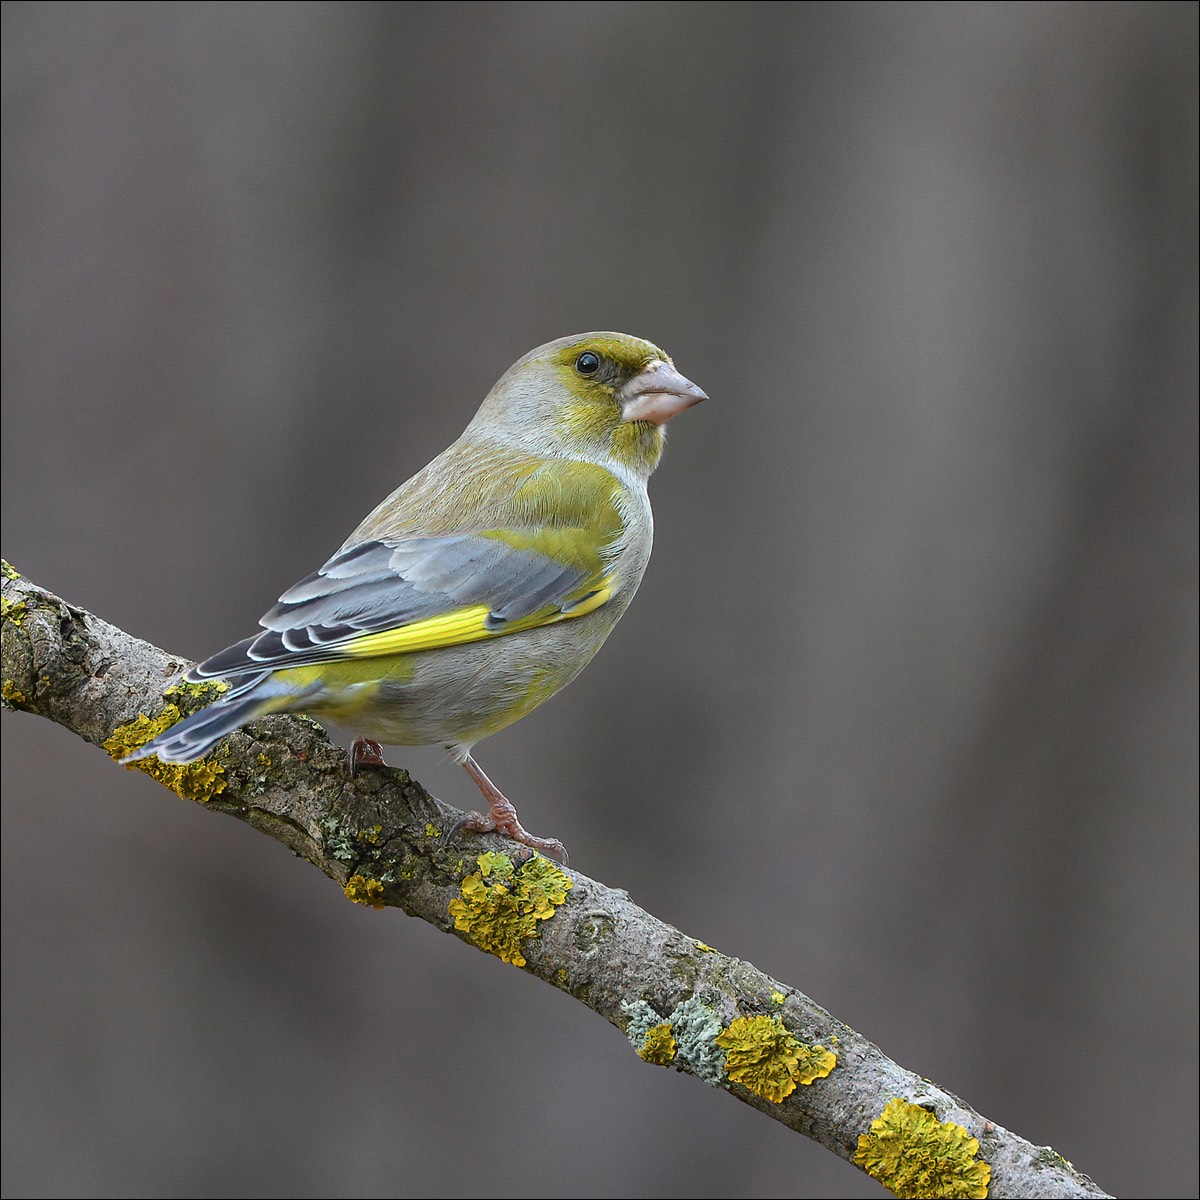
(481, 586)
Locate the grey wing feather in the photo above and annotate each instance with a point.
(384, 584)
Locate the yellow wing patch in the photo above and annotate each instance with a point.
(461, 626)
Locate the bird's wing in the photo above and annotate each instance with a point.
(397, 596)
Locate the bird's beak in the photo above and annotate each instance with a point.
(657, 394)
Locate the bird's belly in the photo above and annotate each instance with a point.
(458, 694)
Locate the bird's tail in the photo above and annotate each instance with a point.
(195, 736)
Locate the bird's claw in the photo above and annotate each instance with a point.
(365, 753)
(510, 827)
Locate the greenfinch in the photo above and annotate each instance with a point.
(481, 586)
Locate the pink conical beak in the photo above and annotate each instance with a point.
(657, 394)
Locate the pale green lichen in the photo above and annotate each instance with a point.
(767, 1060)
(199, 781)
(642, 1018)
(339, 839)
(1047, 1156)
(693, 1028)
(913, 1154)
(366, 891)
(499, 906)
(650, 1035)
(350, 844)
(696, 1029)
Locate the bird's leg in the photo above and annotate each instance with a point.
(502, 816)
(365, 753)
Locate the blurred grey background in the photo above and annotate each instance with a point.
(906, 710)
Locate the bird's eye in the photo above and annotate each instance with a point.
(587, 363)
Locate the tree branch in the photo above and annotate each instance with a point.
(380, 836)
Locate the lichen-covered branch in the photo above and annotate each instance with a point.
(381, 838)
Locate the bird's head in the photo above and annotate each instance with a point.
(601, 397)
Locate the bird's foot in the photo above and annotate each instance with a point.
(365, 753)
(501, 817)
(507, 824)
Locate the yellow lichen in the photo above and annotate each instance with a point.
(431, 830)
(658, 1046)
(914, 1154)
(703, 947)
(13, 610)
(765, 1059)
(777, 997)
(193, 781)
(500, 905)
(8, 570)
(204, 692)
(11, 694)
(366, 891)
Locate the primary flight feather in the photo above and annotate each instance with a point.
(481, 586)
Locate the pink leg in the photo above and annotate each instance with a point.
(502, 817)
